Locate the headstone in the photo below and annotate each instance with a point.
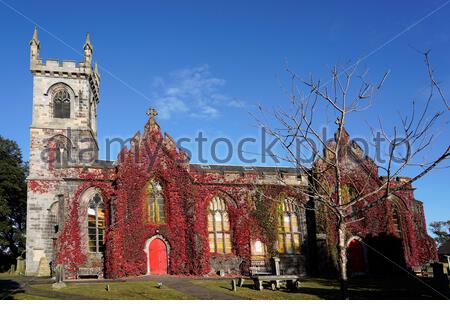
(43, 268)
(20, 266)
(58, 285)
(59, 277)
(233, 285)
(276, 265)
(59, 273)
(12, 269)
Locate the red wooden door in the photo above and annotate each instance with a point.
(158, 257)
(356, 257)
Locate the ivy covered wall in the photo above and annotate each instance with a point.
(251, 204)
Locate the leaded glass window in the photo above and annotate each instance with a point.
(289, 237)
(61, 104)
(218, 227)
(155, 203)
(96, 224)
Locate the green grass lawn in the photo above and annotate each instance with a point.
(311, 289)
(140, 290)
(319, 288)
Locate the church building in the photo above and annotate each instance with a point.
(153, 212)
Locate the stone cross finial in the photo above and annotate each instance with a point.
(151, 112)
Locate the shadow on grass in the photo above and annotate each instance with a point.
(363, 288)
(377, 288)
(8, 287)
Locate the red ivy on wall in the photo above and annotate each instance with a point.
(187, 194)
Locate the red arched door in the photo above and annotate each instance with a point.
(356, 260)
(157, 255)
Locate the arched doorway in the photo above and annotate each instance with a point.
(157, 257)
(356, 258)
(387, 249)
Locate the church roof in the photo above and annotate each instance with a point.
(242, 169)
(103, 163)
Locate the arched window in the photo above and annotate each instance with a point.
(349, 193)
(53, 216)
(155, 203)
(61, 104)
(218, 227)
(96, 224)
(396, 218)
(59, 148)
(61, 154)
(257, 249)
(288, 227)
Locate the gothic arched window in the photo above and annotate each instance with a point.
(349, 193)
(96, 224)
(257, 249)
(218, 227)
(61, 154)
(288, 227)
(61, 104)
(155, 203)
(396, 218)
(59, 151)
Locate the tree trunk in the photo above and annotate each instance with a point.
(342, 260)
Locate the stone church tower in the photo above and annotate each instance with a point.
(63, 136)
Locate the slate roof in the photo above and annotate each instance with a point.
(242, 169)
(103, 163)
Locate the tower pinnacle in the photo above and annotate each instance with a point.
(87, 43)
(35, 46)
(88, 49)
(35, 37)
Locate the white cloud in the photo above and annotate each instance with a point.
(191, 90)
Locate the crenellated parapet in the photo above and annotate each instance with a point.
(66, 69)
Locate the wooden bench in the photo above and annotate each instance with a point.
(89, 272)
(292, 281)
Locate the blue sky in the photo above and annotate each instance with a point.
(206, 65)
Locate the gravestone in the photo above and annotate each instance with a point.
(233, 285)
(43, 268)
(12, 269)
(59, 273)
(20, 266)
(20, 269)
(276, 266)
(59, 277)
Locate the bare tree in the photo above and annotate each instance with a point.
(301, 123)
